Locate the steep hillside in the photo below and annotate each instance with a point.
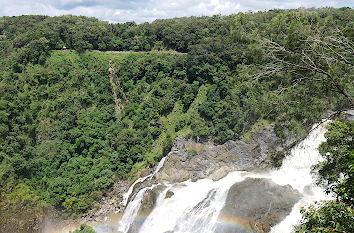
(75, 121)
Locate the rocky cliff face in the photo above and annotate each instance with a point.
(191, 160)
(24, 218)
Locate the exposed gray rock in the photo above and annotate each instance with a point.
(191, 160)
(349, 115)
(108, 204)
(169, 194)
(255, 205)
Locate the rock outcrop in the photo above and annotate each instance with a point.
(191, 160)
(255, 205)
(109, 204)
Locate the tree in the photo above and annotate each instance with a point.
(337, 170)
(326, 57)
(326, 217)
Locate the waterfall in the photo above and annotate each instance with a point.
(159, 166)
(296, 171)
(194, 207)
(131, 210)
(140, 180)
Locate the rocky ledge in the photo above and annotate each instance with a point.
(189, 159)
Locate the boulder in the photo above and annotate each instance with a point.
(255, 205)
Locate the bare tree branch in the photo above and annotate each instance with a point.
(319, 54)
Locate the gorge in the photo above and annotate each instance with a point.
(189, 124)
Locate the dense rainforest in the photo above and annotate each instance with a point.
(74, 119)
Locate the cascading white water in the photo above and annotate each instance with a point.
(296, 171)
(131, 210)
(140, 180)
(195, 206)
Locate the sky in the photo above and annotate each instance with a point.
(148, 10)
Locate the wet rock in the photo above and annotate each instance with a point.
(255, 205)
(169, 194)
(221, 172)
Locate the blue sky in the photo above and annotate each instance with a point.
(149, 10)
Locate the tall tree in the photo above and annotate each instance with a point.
(322, 57)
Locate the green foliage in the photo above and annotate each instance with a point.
(16, 197)
(337, 170)
(259, 125)
(84, 229)
(70, 144)
(192, 153)
(289, 59)
(327, 217)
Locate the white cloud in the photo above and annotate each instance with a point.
(149, 10)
